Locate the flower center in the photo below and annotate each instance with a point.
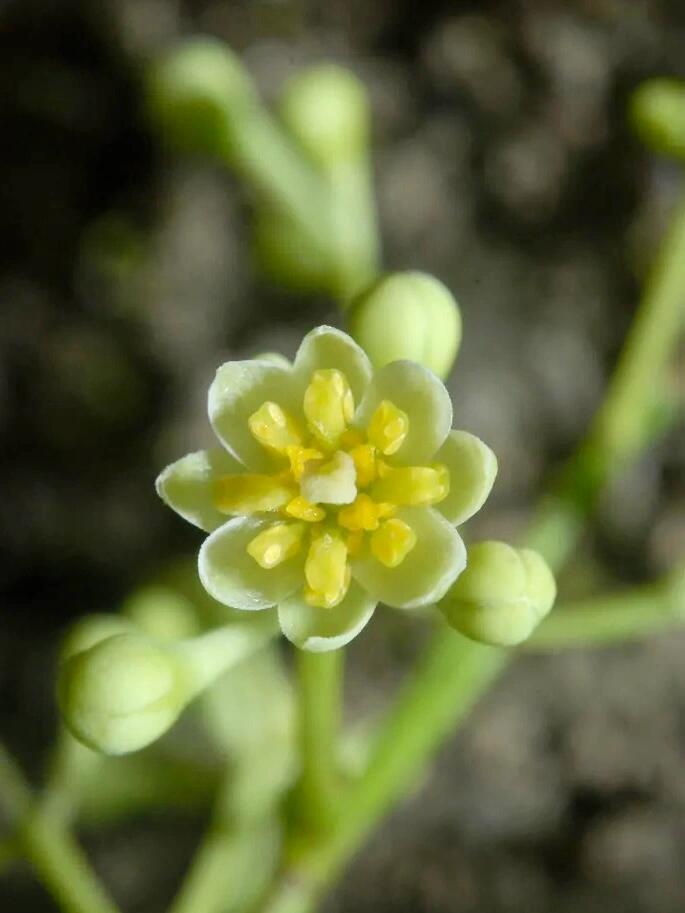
(335, 495)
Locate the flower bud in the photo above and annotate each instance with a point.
(408, 316)
(326, 109)
(90, 630)
(161, 613)
(197, 93)
(501, 596)
(657, 113)
(122, 693)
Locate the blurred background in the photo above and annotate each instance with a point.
(503, 165)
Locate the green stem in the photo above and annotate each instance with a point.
(619, 427)
(209, 655)
(55, 856)
(319, 678)
(624, 424)
(354, 230)
(233, 863)
(613, 617)
(440, 693)
(262, 154)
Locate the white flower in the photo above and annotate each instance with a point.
(335, 489)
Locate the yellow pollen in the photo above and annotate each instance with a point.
(392, 542)
(276, 544)
(326, 571)
(388, 427)
(364, 456)
(363, 514)
(328, 406)
(299, 457)
(411, 485)
(300, 508)
(248, 494)
(274, 428)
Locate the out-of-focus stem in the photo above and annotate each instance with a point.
(606, 619)
(270, 162)
(233, 863)
(57, 859)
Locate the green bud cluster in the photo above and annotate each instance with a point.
(125, 679)
(326, 109)
(657, 114)
(122, 693)
(408, 315)
(197, 94)
(501, 597)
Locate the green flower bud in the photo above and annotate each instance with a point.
(657, 113)
(327, 111)
(408, 315)
(161, 613)
(501, 596)
(122, 693)
(90, 630)
(197, 93)
(125, 691)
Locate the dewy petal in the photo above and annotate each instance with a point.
(426, 573)
(326, 347)
(472, 469)
(237, 391)
(319, 630)
(187, 485)
(233, 577)
(419, 393)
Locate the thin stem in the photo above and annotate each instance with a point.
(209, 655)
(619, 427)
(440, 693)
(319, 678)
(613, 617)
(354, 230)
(57, 859)
(624, 424)
(233, 863)
(270, 162)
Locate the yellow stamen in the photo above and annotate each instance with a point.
(326, 571)
(332, 482)
(363, 514)
(300, 508)
(364, 456)
(392, 542)
(412, 485)
(328, 406)
(352, 438)
(354, 543)
(276, 544)
(388, 427)
(274, 428)
(248, 494)
(299, 457)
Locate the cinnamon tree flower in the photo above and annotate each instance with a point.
(334, 489)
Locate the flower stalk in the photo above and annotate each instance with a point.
(319, 691)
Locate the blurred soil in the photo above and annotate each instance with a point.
(504, 166)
